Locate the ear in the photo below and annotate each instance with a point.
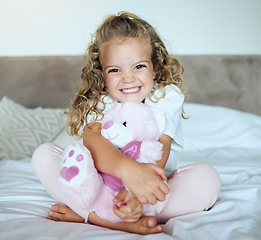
(160, 118)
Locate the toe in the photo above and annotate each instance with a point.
(64, 213)
(55, 216)
(60, 209)
(150, 223)
(57, 208)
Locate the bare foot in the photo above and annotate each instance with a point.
(145, 225)
(64, 214)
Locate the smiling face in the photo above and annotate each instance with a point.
(127, 69)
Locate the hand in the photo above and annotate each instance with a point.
(144, 180)
(130, 209)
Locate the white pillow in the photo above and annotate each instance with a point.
(219, 127)
(23, 129)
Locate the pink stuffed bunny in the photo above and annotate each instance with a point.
(132, 127)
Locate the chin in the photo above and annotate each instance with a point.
(131, 99)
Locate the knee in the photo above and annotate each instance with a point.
(202, 178)
(207, 181)
(208, 175)
(42, 153)
(43, 148)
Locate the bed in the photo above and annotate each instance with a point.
(223, 129)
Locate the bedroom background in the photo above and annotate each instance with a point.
(218, 42)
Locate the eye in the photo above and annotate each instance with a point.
(125, 124)
(114, 70)
(140, 66)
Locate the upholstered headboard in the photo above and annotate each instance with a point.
(49, 81)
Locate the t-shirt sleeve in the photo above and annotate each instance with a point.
(171, 105)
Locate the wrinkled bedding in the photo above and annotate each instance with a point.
(229, 140)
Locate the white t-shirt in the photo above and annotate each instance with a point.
(171, 105)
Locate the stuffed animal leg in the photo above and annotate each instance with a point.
(80, 180)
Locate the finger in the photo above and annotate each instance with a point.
(160, 172)
(164, 188)
(159, 194)
(121, 196)
(142, 199)
(117, 211)
(152, 199)
(126, 218)
(133, 219)
(123, 212)
(131, 207)
(130, 210)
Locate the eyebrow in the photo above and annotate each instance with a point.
(109, 66)
(139, 62)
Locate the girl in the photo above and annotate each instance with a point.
(127, 61)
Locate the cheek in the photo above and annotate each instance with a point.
(105, 79)
(154, 74)
(108, 82)
(111, 86)
(148, 80)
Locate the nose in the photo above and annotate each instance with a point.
(107, 125)
(128, 77)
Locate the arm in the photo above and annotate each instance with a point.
(166, 141)
(130, 208)
(141, 179)
(106, 156)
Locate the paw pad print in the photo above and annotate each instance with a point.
(74, 163)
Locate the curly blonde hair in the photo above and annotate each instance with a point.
(88, 100)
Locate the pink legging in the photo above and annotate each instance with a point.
(193, 187)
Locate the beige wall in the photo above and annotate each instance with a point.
(63, 27)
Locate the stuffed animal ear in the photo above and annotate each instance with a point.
(110, 114)
(160, 118)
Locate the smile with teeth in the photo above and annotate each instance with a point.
(131, 90)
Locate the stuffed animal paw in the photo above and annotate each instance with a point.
(78, 175)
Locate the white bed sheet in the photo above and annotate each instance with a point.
(24, 203)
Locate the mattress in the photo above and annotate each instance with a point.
(228, 139)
